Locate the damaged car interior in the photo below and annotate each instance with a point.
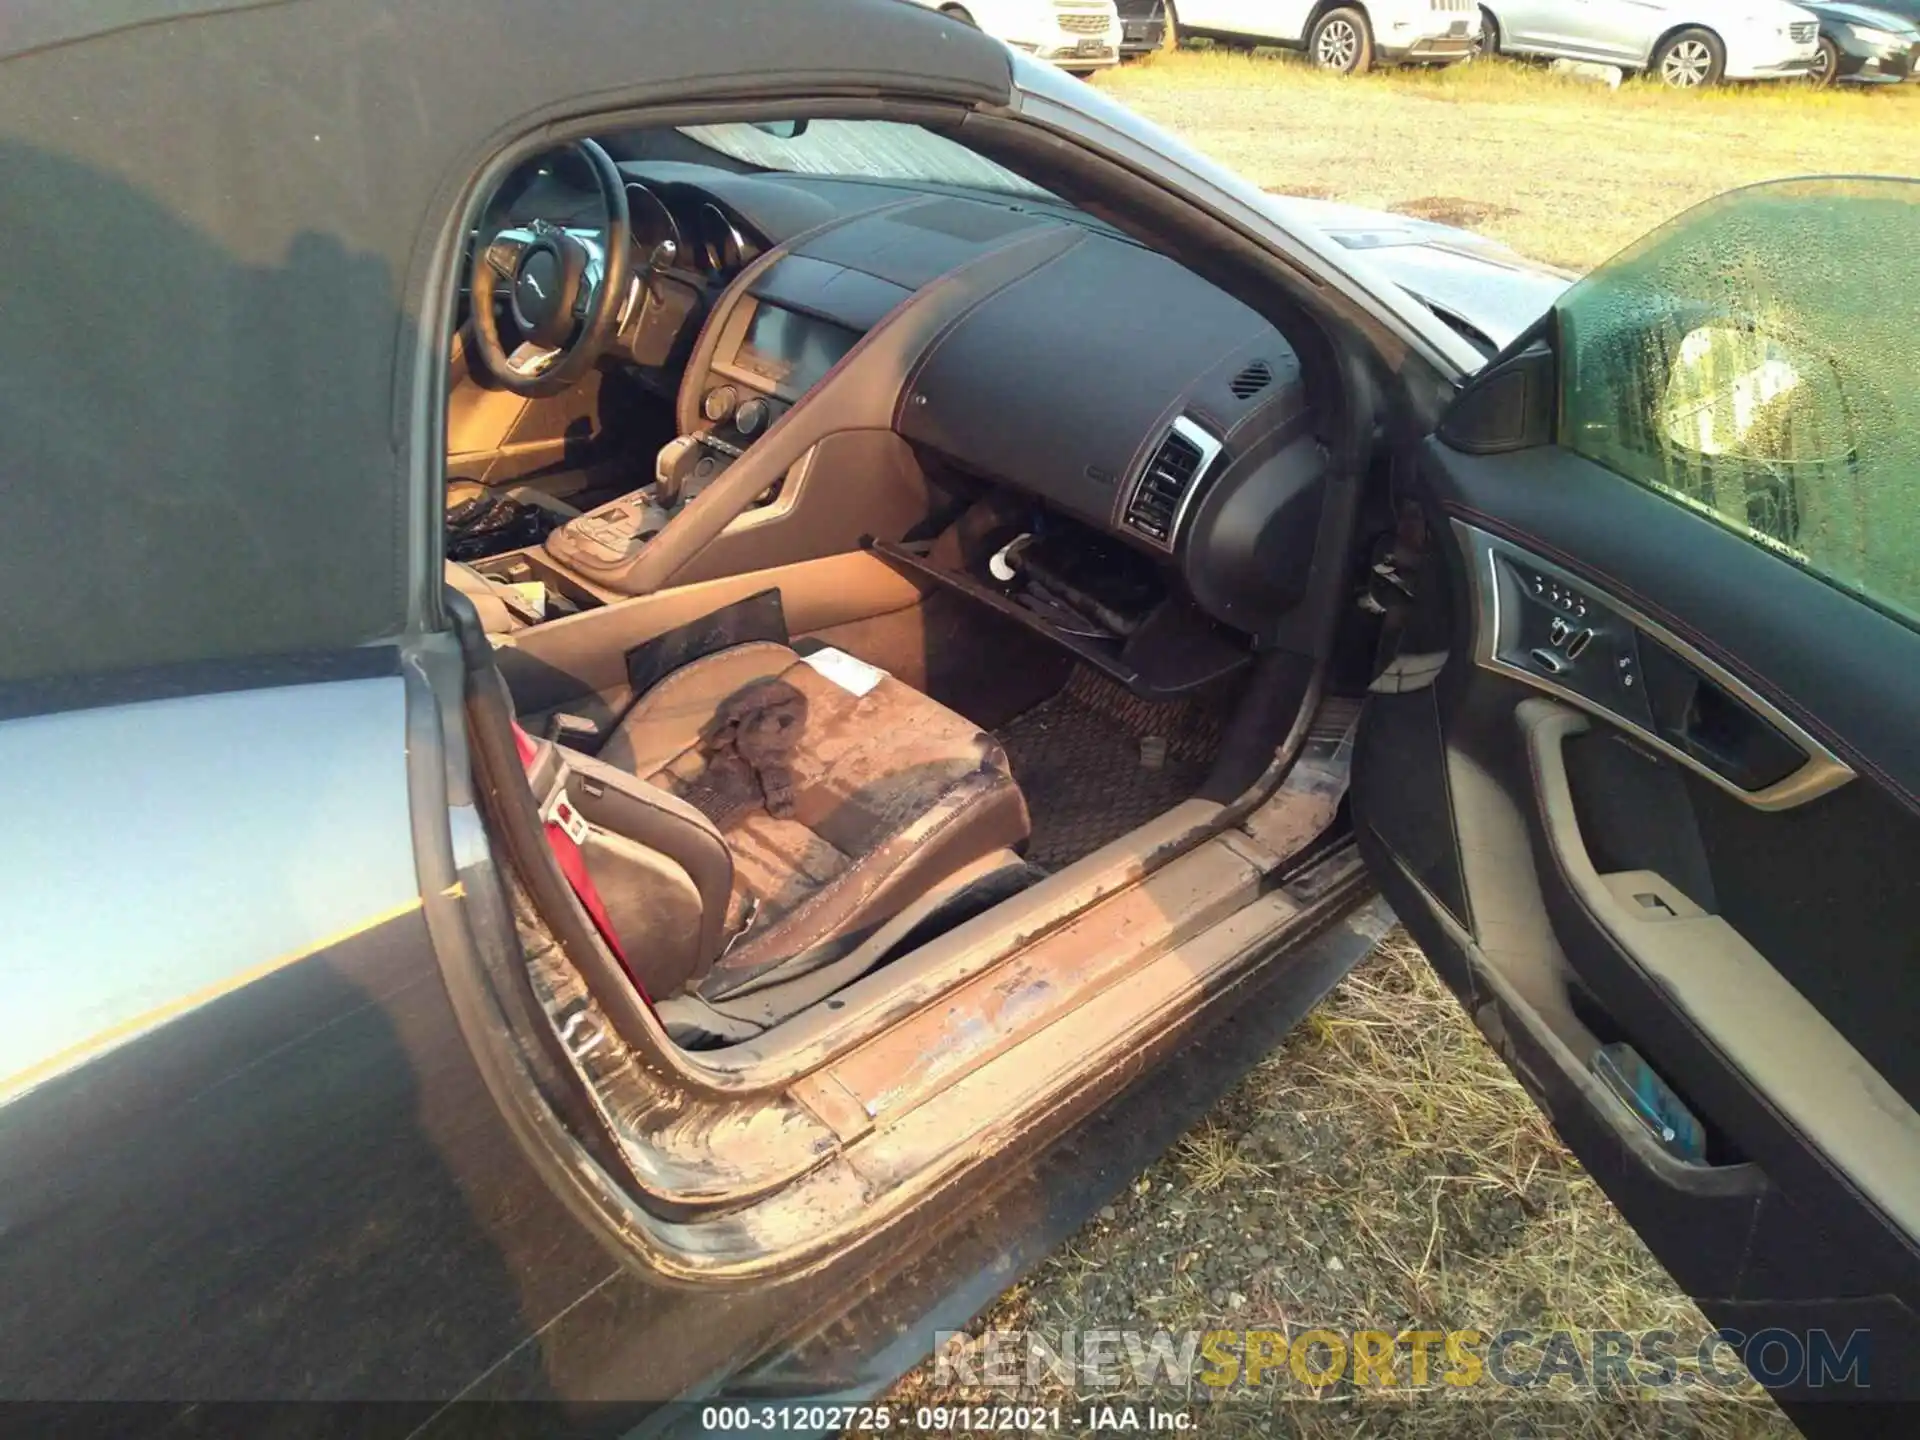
(920, 603)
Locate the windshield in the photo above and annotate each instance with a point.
(864, 150)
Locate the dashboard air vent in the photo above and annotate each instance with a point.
(1251, 380)
(1169, 480)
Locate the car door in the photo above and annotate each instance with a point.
(1621, 32)
(1529, 25)
(1258, 19)
(1569, 27)
(1584, 29)
(1644, 776)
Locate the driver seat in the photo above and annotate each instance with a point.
(894, 794)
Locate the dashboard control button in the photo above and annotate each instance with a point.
(751, 417)
(719, 402)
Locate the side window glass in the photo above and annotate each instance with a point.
(1758, 359)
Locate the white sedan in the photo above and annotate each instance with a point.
(1687, 43)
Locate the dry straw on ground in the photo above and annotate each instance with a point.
(1563, 170)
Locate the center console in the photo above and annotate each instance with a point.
(764, 349)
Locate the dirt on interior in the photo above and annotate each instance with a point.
(1094, 762)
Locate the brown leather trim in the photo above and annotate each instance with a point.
(693, 379)
(853, 484)
(859, 393)
(554, 664)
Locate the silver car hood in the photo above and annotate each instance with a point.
(1463, 276)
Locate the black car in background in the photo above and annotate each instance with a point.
(1869, 44)
(1143, 26)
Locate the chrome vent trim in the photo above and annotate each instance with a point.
(1252, 379)
(1169, 480)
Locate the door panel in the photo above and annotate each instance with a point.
(1770, 974)
(1661, 794)
(1828, 663)
(1557, 26)
(1543, 625)
(1609, 30)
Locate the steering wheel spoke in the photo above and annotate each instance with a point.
(591, 276)
(504, 250)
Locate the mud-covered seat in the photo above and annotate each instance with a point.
(893, 793)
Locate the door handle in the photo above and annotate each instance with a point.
(1763, 1027)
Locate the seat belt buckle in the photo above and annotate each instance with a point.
(560, 811)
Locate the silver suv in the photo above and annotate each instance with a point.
(1349, 36)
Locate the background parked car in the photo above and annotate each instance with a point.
(1080, 36)
(1864, 43)
(1143, 26)
(1687, 43)
(1908, 10)
(1349, 36)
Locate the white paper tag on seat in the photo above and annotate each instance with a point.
(856, 677)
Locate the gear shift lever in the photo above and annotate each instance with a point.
(672, 467)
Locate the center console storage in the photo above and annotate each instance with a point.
(565, 594)
(1097, 598)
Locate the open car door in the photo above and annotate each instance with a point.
(1644, 777)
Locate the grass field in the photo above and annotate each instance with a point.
(1382, 1170)
(1564, 170)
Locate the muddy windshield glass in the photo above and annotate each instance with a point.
(861, 149)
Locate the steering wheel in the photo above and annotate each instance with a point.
(563, 287)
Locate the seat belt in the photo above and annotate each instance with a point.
(566, 828)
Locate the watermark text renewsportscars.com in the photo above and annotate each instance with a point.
(1503, 1363)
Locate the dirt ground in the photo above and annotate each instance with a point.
(1382, 1170)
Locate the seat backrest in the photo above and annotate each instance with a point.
(663, 870)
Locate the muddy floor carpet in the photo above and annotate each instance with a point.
(1078, 758)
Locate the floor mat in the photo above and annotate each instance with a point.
(1078, 762)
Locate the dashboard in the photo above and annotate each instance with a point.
(1107, 398)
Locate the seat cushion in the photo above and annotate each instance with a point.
(892, 792)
